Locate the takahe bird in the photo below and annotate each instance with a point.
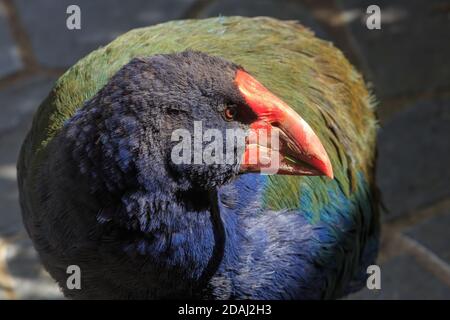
(99, 189)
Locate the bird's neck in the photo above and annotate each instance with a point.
(174, 226)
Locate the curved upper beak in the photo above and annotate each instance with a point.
(289, 142)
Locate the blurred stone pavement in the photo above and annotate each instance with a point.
(406, 63)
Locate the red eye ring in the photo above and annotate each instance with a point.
(229, 113)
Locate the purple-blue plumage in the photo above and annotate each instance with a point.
(140, 226)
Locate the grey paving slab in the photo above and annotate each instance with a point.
(434, 234)
(101, 22)
(29, 279)
(410, 52)
(414, 153)
(17, 105)
(10, 216)
(22, 98)
(281, 9)
(403, 278)
(9, 54)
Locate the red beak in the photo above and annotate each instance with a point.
(298, 150)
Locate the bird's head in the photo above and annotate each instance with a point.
(220, 105)
(205, 121)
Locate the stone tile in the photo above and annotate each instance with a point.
(101, 22)
(17, 105)
(410, 52)
(9, 55)
(30, 280)
(281, 9)
(414, 153)
(403, 278)
(22, 98)
(434, 234)
(10, 215)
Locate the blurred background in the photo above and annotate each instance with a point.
(406, 63)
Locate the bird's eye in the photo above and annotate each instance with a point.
(229, 113)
